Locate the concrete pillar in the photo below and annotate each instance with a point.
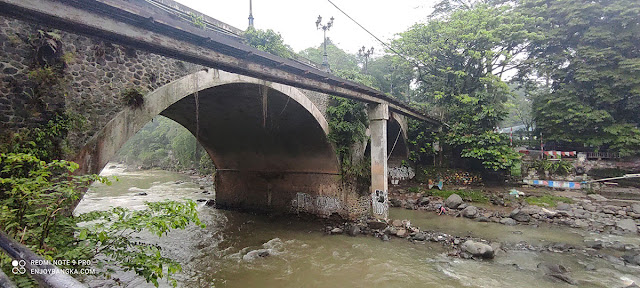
(378, 117)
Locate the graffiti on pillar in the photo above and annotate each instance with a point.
(379, 203)
(320, 205)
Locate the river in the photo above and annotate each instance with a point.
(306, 257)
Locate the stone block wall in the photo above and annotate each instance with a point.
(92, 83)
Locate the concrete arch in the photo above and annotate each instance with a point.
(106, 143)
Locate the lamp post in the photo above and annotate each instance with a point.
(250, 14)
(363, 52)
(325, 59)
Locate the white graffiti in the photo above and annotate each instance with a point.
(321, 205)
(401, 173)
(379, 203)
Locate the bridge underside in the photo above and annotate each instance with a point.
(267, 148)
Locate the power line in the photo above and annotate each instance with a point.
(378, 39)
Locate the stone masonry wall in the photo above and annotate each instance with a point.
(93, 81)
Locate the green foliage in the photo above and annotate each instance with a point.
(590, 60)
(467, 195)
(133, 97)
(268, 41)
(459, 60)
(36, 201)
(113, 234)
(420, 139)
(489, 147)
(338, 58)
(165, 143)
(547, 200)
(48, 141)
(392, 75)
(347, 125)
(560, 168)
(197, 20)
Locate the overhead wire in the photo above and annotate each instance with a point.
(378, 39)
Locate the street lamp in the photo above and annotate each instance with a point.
(363, 52)
(325, 59)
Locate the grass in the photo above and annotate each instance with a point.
(467, 195)
(547, 200)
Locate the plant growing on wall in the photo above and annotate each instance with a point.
(133, 97)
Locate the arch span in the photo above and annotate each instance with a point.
(268, 140)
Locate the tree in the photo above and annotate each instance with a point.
(392, 75)
(268, 41)
(338, 58)
(589, 57)
(36, 201)
(460, 61)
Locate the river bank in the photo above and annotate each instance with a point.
(229, 252)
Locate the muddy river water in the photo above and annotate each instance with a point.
(303, 256)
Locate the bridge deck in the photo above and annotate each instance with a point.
(147, 27)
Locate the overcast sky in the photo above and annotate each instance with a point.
(295, 19)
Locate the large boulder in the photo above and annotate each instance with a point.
(520, 216)
(635, 208)
(453, 201)
(627, 225)
(469, 212)
(477, 249)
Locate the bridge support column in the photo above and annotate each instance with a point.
(378, 117)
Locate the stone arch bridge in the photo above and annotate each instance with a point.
(262, 119)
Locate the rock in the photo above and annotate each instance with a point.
(635, 208)
(563, 206)
(113, 167)
(627, 225)
(142, 194)
(453, 201)
(376, 225)
(548, 213)
(483, 219)
(336, 230)
(390, 231)
(402, 233)
(477, 249)
(556, 271)
(385, 237)
(211, 203)
(353, 230)
(590, 267)
(530, 209)
(201, 187)
(469, 212)
(424, 201)
(597, 197)
(580, 223)
(589, 207)
(596, 244)
(462, 206)
(396, 202)
(397, 223)
(520, 215)
(564, 278)
(632, 258)
(201, 200)
(420, 237)
(508, 221)
(252, 255)
(632, 285)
